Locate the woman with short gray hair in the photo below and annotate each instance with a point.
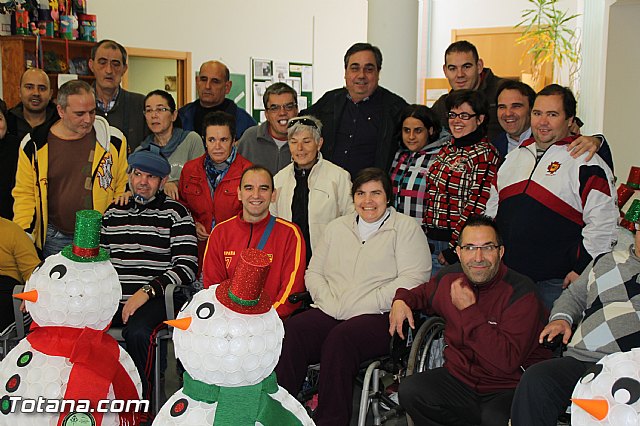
(311, 191)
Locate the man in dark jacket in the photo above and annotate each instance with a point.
(121, 108)
(361, 121)
(213, 83)
(35, 105)
(493, 318)
(514, 101)
(465, 70)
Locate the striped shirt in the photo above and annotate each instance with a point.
(151, 244)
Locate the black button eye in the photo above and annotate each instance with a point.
(626, 390)
(591, 374)
(61, 270)
(206, 310)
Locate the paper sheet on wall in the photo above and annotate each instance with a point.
(259, 87)
(307, 78)
(302, 103)
(294, 82)
(63, 78)
(280, 71)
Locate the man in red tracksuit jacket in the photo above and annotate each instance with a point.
(493, 320)
(255, 227)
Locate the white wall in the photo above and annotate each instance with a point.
(233, 31)
(447, 15)
(621, 89)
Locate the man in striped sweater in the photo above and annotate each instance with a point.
(152, 243)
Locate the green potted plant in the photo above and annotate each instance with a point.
(547, 32)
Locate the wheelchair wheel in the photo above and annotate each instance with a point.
(427, 347)
(426, 350)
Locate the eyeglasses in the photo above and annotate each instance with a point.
(484, 249)
(305, 121)
(462, 115)
(157, 110)
(287, 107)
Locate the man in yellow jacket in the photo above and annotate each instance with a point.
(77, 162)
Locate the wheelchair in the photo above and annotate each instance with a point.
(420, 350)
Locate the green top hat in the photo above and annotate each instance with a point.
(633, 214)
(86, 239)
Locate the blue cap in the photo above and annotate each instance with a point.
(150, 161)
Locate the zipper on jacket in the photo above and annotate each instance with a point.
(534, 168)
(250, 235)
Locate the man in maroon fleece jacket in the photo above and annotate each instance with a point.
(493, 318)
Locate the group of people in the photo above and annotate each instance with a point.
(377, 208)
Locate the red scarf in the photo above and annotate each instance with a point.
(96, 366)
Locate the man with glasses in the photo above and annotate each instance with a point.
(556, 212)
(266, 143)
(120, 107)
(493, 318)
(213, 84)
(361, 121)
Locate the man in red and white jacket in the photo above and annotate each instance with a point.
(255, 227)
(556, 212)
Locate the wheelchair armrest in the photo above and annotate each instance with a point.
(18, 315)
(303, 296)
(169, 292)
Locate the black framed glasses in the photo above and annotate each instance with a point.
(305, 121)
(470, 248)
(463, 115)
(287, 107)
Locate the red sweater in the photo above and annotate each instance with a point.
(285, 247)
(196, 195)
(488, 342)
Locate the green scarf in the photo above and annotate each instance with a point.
(244, 405)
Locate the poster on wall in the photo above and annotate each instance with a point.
(238, 92)
(262, 69)
(298, 75)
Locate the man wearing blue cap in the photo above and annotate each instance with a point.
(152, 243)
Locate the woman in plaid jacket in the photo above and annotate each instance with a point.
(460, 176)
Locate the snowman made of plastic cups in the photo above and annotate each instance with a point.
(68, 361)
(608, 393)
(229, 339)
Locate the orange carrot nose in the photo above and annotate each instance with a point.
(31, 296)
(598, 408)
(182, 323)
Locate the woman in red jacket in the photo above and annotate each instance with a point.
(209, 184)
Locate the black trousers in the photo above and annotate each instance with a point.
(436, 398)
(139, 332)
(6, 301)
(544, 391)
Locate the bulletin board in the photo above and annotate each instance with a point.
(265, 72)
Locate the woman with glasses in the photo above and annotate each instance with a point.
(176, 144)
(311, 191)
(460, 176)
(209, 184)
(359, 263)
